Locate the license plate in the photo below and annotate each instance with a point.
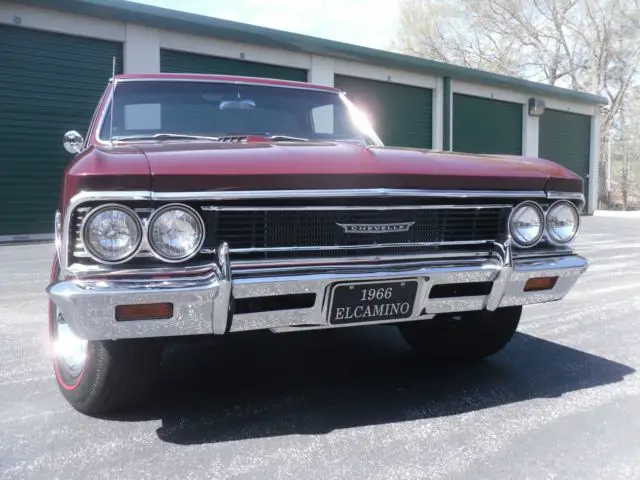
(372, 302)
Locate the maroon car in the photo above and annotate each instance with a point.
(203, 205)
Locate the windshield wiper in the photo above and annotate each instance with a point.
(165, 136)
(287, 138)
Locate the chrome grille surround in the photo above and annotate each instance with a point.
(73, 258)
(318, 231)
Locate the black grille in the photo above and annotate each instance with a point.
(264, 229)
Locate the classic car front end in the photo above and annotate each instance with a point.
(205, 232)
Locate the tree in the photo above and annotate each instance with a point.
(587, 45)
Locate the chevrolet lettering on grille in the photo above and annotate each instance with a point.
(376, 227)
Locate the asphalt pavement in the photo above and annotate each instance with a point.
(562, 401)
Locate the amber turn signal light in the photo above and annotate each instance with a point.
(145, 311)
(540, 283)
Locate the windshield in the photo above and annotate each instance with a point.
(209, 109)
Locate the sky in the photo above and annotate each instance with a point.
(370, 23)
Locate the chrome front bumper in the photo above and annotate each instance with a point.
(204, 304)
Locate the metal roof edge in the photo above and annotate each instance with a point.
(163, 18)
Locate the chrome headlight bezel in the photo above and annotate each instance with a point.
(88, 247)
(541, 233)
(548, 237)
(153, 218)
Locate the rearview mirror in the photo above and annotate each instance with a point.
(72, 141)
(244, 104)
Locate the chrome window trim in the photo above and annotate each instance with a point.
(108, 103)
(145, 195)
(204, 79)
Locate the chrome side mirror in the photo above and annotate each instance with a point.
(72, 141)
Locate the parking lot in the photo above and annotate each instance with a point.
(562, 401)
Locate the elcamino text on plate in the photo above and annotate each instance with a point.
(376, 227)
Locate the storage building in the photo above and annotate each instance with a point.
(56, 57)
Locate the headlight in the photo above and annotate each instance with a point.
(563, 222)
(526, 224)
(176, 232)
(112, 234)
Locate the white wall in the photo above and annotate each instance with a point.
(240, 51)
(141, 49)
(53, 21)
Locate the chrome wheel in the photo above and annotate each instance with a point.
(69, 351)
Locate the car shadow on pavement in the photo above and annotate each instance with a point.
(262, 385)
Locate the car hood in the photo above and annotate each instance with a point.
(204, 166)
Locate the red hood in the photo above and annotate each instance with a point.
(202, 166)
(206, 166)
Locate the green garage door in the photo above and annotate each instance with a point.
(401, 114)
(49, 83)
(182, 62)
(484, 125)
(566, 138)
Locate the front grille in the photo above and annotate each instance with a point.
(260, 233)
(256, 231)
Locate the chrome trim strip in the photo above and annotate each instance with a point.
(221, 313)
(570, 196)
(350, 261)
(371, 246)
(57, 233)
(83, 254)
(565, 196)
(225, 208)
(99, 270)
(387, 267)
(344, 193)
(555, 252)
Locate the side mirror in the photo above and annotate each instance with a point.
(72, 141)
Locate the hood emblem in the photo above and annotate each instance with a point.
(376, 227)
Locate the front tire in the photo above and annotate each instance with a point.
(463, 337)
(101, 377)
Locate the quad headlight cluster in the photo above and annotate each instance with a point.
(529, 223)
(114, 233)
